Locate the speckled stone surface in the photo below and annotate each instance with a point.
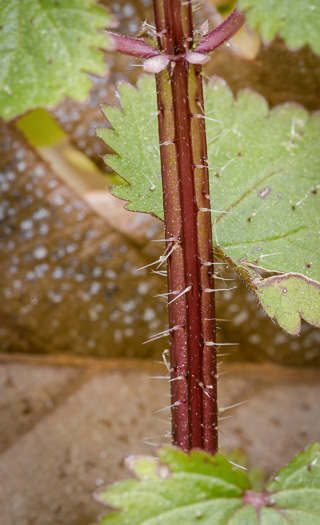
(88, 415)
(69, 283)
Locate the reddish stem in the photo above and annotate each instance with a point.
(187, 219)
(189, 247)
(179, 37)
(175, 266)
(205, 255)
(188, 229)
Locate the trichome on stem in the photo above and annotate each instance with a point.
(177, 63)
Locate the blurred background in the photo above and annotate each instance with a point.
(73, 304)
(70, 252)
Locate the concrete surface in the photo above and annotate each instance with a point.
(67, 424)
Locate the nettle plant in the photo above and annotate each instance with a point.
(234, 183)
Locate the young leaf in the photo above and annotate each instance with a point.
(265, 186)
(199, 488)
(297, 22)
(45, 50)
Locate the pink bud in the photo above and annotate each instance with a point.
(156, 64)
(197, 58)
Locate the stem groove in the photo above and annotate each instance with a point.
(190, 266)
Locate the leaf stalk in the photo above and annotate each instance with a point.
(222, 33)
(170, 52)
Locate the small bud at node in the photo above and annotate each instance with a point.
(196, 58)
(156, 64)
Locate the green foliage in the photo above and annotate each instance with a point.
(46, 47)
(296, 21)
(287, 297)
(135, 139)
(198, 488)
(256, 476)
(264, 177)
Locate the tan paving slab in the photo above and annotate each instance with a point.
(69, 281)
(28, 394)
(280, 415)
(49, 473)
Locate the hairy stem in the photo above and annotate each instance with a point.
(188, 233)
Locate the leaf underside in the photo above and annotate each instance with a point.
(264, 170)
(46, 48)
(198, 488)
(296, 21)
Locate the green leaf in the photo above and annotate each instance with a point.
(289, 297)
(135, 140)
(217, 466)
(264, 181)
(46, 48)
(199, 488)
(265, 176)
(143, 467)
(296, 488)
(296, 21)
(302, 471)
(255, 475)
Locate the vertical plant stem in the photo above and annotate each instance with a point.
(175, 265)
(188, 234)
(205, 255)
